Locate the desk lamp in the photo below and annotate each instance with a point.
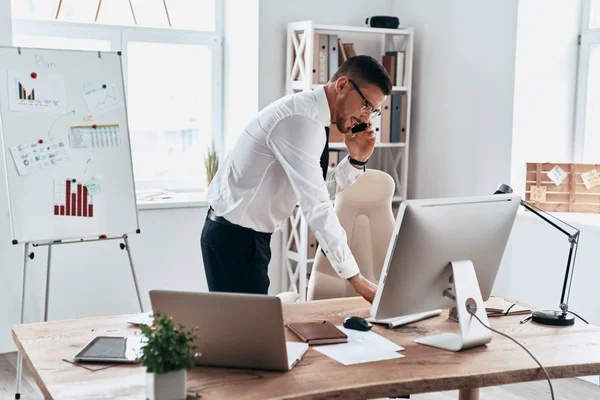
(554, 317)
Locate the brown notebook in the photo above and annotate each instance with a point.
(318, 333)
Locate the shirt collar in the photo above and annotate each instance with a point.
(324, 116)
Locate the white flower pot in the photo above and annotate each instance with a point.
(169, 386)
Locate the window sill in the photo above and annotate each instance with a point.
(577, 219)
(173, 200)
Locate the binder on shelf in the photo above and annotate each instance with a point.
(376, 121)
(403, 117)
(388, 63)
(342, 57)
(395, 128)
(333, 159)
(349, 49)
(398, 66)
(386, 119)
(320, 61)
(333, 55)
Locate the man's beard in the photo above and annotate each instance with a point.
(341, 126)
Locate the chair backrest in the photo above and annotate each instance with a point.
(365, 212)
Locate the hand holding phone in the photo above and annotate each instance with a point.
(359, 128)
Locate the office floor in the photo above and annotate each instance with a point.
(564, 389)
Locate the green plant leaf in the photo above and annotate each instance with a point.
(168, 348)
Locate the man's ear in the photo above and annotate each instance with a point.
(341, 84)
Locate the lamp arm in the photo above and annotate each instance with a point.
(542, 216)
(573, 240)
(569, 272)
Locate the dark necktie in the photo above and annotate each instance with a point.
(325, 155)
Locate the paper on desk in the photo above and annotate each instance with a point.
(362, 347)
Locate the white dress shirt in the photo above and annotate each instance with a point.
(276, 164)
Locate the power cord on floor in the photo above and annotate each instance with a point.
(523, 347)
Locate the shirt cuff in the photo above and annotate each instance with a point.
(351, 172)
(346, 269)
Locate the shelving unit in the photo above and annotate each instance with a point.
(389, 157)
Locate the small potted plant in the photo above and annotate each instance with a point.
(169, 352)
(211, 163)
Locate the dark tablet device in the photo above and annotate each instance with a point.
(125, 349)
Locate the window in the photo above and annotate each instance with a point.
(172, 61)
(587, 129)
(170, 118)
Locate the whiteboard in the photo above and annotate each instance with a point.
(66, 144)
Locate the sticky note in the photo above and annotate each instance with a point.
(591, 179)
(93, 187)
(557, 175)
(538, 193)
(88, 117)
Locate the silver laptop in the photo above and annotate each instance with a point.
(234, 330)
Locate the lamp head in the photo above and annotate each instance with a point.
(503, 189)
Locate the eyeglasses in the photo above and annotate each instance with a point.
(367, 106)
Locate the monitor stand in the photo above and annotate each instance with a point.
(466, 293)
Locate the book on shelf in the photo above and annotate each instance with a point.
(394, 62)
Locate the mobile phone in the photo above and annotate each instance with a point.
(359, 128)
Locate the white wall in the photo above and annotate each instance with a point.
(464, 68)
(545, 77)
(274, 16)
(241, 67)
(5, 23)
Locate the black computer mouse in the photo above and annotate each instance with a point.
(357, 323)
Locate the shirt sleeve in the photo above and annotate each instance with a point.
(342, 176)
(297, 143)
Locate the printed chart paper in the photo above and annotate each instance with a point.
(44, 93)
(30, 157)
(72, 198)
(85, 137)
(101, 98)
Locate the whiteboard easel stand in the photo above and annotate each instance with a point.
(27, 255)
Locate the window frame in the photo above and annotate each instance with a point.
(120, 35)
(587, 38)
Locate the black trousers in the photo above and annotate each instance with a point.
(236, 259)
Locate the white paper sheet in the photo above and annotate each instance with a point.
(101, 136)
(101, 98)
(44, 93)
(33, 156)
(362, 347)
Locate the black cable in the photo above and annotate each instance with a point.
(571, 312)
(509, 308)
(523, 347)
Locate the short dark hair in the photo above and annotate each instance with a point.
(365, 69)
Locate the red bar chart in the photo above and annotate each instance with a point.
(72, 198)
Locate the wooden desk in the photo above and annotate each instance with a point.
(565, 352)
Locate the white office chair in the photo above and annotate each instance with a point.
(365, 212)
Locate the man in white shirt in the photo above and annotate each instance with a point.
(276, 165)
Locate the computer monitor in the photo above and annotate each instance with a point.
(434, 240)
